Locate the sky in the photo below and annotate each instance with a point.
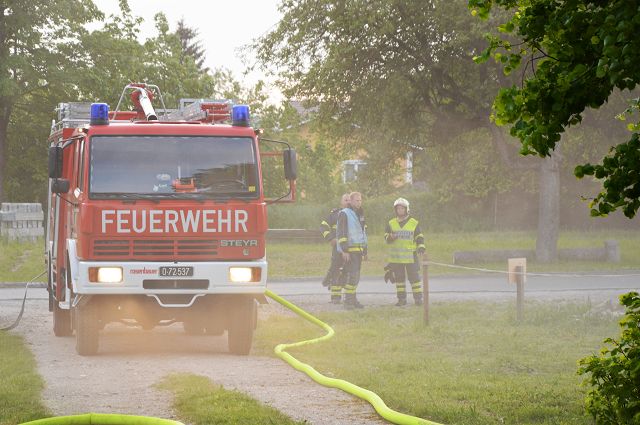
(223, 26)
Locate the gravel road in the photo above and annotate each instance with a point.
(121, 378)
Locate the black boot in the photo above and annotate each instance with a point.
(401, 302)
(350, 302)
(418, 299)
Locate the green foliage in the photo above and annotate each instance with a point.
(20, 386)
(387, 76)
(38, 44)
(200, 402)
(48, 57)
(574, 54)
(614, 375)
(191, 46)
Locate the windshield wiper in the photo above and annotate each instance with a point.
(173, 195)
(124, 195)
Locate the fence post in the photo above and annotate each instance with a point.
(519, 292)
(425, 291)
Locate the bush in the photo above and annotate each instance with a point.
(434, 216)
(614, 375)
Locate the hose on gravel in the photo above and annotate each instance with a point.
(373, 398)
(24, 300)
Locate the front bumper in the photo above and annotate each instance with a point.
(135, 274)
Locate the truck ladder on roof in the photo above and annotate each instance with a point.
(205, 110)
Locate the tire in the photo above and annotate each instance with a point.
(193, 326)
(87, 326)
(61, 318)
(240, 328)
(61, 321)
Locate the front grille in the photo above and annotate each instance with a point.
(175, 284)
(155, 248)
(111, 248)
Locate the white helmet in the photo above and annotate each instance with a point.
(403, 202)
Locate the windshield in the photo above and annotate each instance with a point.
(173, 166)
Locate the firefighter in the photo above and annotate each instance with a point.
(334, 278)
(406, 243)
(352, 245)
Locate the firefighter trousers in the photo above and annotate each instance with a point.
(352, 271)
(401, 271)
(335, 277)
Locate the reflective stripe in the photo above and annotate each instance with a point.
(325, 233)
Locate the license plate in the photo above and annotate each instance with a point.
(174, 271)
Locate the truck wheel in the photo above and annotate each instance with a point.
(193, 326)
(61, 321)
(240, 327)
(61, 318)
(87, 326)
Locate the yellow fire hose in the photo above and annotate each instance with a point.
(373, 398)
(102, 419)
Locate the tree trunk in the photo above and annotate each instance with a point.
(5, 113)
(549, 209)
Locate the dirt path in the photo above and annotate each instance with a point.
(121, 378)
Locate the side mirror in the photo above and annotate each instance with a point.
(290, 164)
(55, 162)
(60, 186)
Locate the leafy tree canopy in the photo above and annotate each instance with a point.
(572, 55)
(386, 74)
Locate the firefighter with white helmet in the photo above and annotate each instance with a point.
(406, 243)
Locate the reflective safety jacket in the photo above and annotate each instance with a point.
(328, 226)
(409, 239)
(351, 231)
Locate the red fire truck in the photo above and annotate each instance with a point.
(156, 218)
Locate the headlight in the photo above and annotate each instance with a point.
(105, 274)
(244, 274)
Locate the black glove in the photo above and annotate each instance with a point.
(421, 251)
(389, 277)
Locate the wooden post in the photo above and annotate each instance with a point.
(519, 292)
(425, 291)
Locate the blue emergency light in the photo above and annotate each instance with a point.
(240, 115)
(99, 114)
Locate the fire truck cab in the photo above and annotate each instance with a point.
(156, 219)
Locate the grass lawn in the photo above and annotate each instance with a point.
(313, 259)
(20, 385)
(200, 402)
(473, 365)
(21, 262)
